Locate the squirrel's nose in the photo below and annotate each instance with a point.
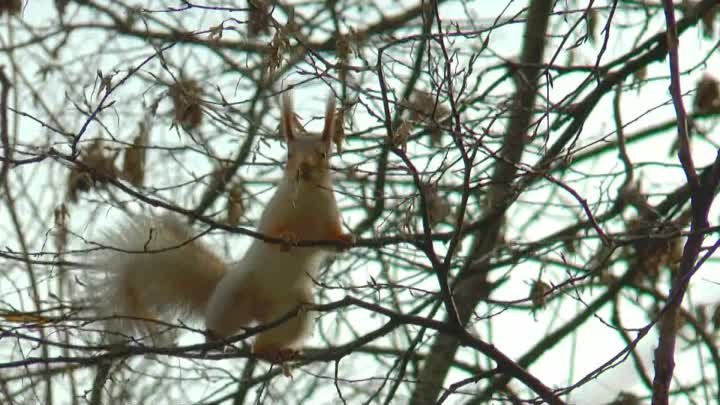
(306, 171)
(305, 167)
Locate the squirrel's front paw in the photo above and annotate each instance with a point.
(289, 238)
(346, 241)
(279, 357)
(212, 338)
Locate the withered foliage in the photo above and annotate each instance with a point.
(402, 134)
(708, 22)
(11, 7)
(278, 47)
(96, 167)
(428, 110)
(539, 291)
(235, 204)
(626, 398)
(652, 248)
(186, 96)
(339, 134)
(707, 96)
(438, 206)
(258, 18)
(134, 162)
(60, 215)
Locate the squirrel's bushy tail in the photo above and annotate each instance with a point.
(152, 269)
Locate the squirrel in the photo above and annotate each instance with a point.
(180, 273)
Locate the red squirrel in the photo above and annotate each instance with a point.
(270, 280)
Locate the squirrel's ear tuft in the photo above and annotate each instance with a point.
(288, 118)
(329, 129)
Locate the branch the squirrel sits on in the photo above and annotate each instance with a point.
(157, 271)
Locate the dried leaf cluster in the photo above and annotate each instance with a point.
(427, 109)
(278, 47)
(539, 291)
(339, 125)
(707, 96)
(96, 166)
(235, 204)
(95, 169)
(134, 162)
(186, 96)
(258, 18)
(626, 398)
(344, 46)
(438, 207)
(651, 249)
(11, 7)
(61, 231)
(401, 135)
(708, 22)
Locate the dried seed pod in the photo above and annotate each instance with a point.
(61, 232)
(186, 95)
(60, 6)
(592, 18)
(707, 96)
(96, 169)
(132, 14)
(674, 254)
(572, 244)
(438, 208)
(221, 176)
(640, 74)
(427, 109)
(291, 25)
(102, 165)
(106, 83)
(78, 182)
(216, 32)
(344, 48)
(701, 315)
(708, 22)
(643, 253)
(235, 204)
(626, 398)
(11, 7)
(401, 135)
(134, 162)
(339, 135)
(539, 291)
(342, 44)
(278, 45)
(716, 318)
(258, 18)
(650, 250)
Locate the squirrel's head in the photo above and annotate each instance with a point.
(308, 157)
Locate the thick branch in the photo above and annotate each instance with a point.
(702, 195)
(469, 294)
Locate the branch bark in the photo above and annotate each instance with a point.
(702, 195)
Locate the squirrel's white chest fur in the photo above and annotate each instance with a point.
(271, 266)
